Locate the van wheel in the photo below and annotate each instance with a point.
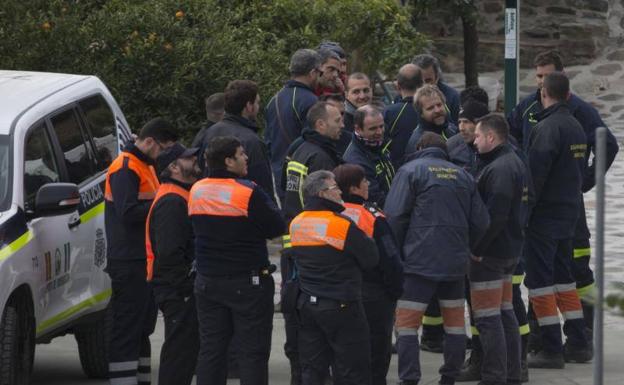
(93, 342)
(17, 347)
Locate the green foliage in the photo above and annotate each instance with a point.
(163, 57)
(615, 300)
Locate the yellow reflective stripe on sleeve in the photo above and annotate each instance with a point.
(517, 279)
(524, 329)
(92, 212)
(432, 321)
(286, 241)
(580, 253)
(73, 310)
(585, 291)
(474, 331)
(14, 246)
(297, 167)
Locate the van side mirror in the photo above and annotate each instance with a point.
(56, 199)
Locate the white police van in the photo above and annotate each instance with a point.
(58, 134)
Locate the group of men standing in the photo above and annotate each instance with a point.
(469, 200)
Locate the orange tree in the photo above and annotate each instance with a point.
(162, 57)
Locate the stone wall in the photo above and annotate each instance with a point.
(577, 28)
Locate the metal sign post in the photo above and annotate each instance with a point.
(512, 49)
(601, 155)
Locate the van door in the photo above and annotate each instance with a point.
(53, 236)
(73, 294)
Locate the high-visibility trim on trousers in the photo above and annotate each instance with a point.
(544, 305)
(453, 315)
(580, 253)
(409, 316)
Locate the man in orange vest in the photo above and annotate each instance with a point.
(330, 253)
(131, 185)
(169, 248)
(232, 218)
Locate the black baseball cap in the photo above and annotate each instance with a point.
(172, 153)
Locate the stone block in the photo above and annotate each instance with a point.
(560, 11)
(493, 7)
(597, 5)
(607, 69)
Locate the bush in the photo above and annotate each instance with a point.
(163, 57)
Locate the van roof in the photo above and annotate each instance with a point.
(20, 90)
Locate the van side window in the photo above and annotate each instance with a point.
(101, 122)
(78, 157)
(39, 165)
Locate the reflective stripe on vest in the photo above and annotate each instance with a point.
(167, 188)
(220, 197)
(362, 217)
(295, 176)
(148, 181)
(319, 228)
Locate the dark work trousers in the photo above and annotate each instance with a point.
(291, 324)
(380, 317)
(234, 306)
(581, 271)
(333, 334)
(133, 320)
(552, 289)
(492, 309)
(178, 355)
(417, 293)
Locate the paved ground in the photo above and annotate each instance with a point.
(58, 364)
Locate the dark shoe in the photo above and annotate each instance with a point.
(578, 355)
(471, 370)
(546, 360)
(432, 345)
(535, 338)
(394, 348)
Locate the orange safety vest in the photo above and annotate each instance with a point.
(220, 197)
(319, 228)
(148, 181)
(166, 188)
(364, 218)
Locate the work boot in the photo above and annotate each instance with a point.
(524, 368)
(471, 370)
(432, 343)
(577, 354)
(546, 360)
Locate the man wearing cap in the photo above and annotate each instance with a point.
(170, 256)
(461, 148)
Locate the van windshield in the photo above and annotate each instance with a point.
(5, 170)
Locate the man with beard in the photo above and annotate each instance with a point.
(359, 93)
(232, 218)
(242, 104)
(367, 150)
(429, 102)
(432, 74)
(170, 256)
(329, 79)
(461, 147)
